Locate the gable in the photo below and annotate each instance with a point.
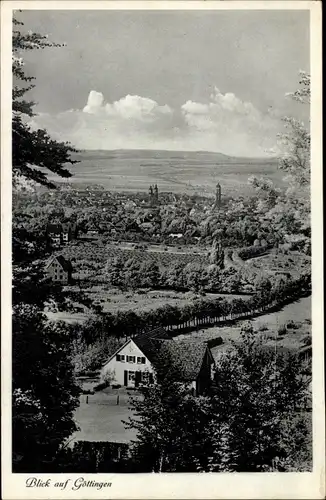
(50, 263)
(59, 260)
(129, 348)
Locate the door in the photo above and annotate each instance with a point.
(138, 378)
(125, 382)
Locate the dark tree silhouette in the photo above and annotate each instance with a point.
(34, 153)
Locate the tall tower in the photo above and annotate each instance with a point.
(151, 195)
(156, 194)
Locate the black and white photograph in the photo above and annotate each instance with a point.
(161, 242)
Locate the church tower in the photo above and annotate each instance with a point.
(156, 194)
(151, 195)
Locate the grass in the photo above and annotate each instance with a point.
(113, 299)
(293, 338)
(279, 262)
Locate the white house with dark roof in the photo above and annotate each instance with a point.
(134, 363)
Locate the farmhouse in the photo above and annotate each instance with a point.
(59, 269)
(135, 362)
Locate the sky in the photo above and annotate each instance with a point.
(178, 80)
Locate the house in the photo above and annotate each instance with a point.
(59, 234)
(54, 232)
(59, 269)
(69, 232)
(135, 362)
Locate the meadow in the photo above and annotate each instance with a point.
(101, 419)
(112, 300)
(267, 326)
(179, 172)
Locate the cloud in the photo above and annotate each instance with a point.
(131, 107)
(230, 125)
(225, 124)
(137, 108)
(94, 102)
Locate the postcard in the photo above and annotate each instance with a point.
(162, 290)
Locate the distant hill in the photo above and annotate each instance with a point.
(177, 171)
(172, 155)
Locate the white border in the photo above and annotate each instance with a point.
(197, 486)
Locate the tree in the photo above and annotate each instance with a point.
(296, 159)
(252, 420)
(32, 149)
(257, 391)
(45, 393)
(174, 428)
(288, 212)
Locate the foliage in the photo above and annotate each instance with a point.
(44, 392)
(89, 357)
(248, 423)
(173, 427)
(288, 214)
(271, 294)
(257, 391)
(90, 457)
(32, 149)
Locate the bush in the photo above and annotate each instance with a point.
(282, 330)
(292, 324)
(101, 386)
(108, 377)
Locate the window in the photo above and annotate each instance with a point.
(131, 359)
(131, 375)
(122, 358)
(141, 360)
(147, 377)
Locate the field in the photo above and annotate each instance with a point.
(113, 299)
(89, 258)
(267, 325)
(186, 172)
